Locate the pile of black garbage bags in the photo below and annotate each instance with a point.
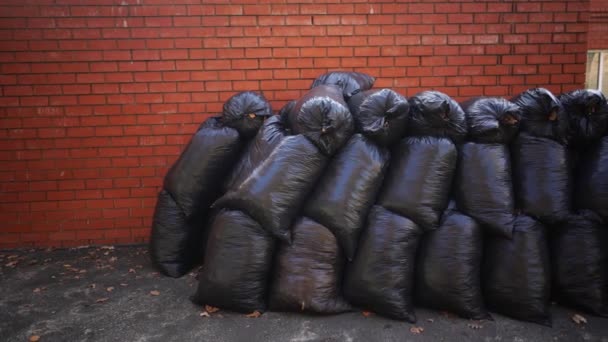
(358, 198)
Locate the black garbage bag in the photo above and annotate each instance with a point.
(285, 113)
(433, 113)
(419, 179)
(323, 117)
(542, 178)
(245, 112)
(277, 189)
(348, 189)
(307, 275)
(258, 149)
(516, 275)
(448, 267)
(381, 277)
(349, 82)
(483, 187)
(237, 265)
(190, 187)
(380, 115)
(542, 115)
(592, 180)
(195, 179)
(579, 258)
(587, 111)
(491, 120)
(174, 243)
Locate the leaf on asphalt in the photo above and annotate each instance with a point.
(131, 270)
(102, 300)
(254, 314)
(204, 314)
(92, 286)
(110, 289)
(113, 259)
(366, 313)
(37, 290)
(430, 320)
(578, 319)
(34, 338)
(211, 309)
(416, 330)
(475, 325)
(11, 264)
(124, 284)
(155, 293)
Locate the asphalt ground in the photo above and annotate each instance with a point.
(114, 294)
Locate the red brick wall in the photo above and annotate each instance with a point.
(598, 25)
(98, 97)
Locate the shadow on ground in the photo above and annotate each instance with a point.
(114, 294)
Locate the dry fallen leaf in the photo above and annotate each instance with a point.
(254, 314)
(416, 330)
(204, 314)
(155, 293)
(92, 286)
(366, 313)
(113, 259)
(131, 270)
(11, 264)
(37, 290)
(578, 319)
(475, 325)
(110, 289)
(102, 300)
(211, 309)
(34, 338)
(430, 320)
(124, 284)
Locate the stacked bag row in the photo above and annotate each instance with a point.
(359, 197)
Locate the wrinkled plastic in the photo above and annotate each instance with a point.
(579, 257)
(433, 113)
(381, 277)
(195, 180)
(323, 117)
(448, 267)
(587, 111)
(349, 82)
(542, 115)
(483, 187)
(245, 112)
(285, 113)
(348, 189)
(380, 115)
(307, 275)
(419, 179)
(592, 180)
(237, 265)
(542, 178)
(191, 185)
(258, 149)
(275, 191)
(516, 275)
(491, 120)
(174, 244)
